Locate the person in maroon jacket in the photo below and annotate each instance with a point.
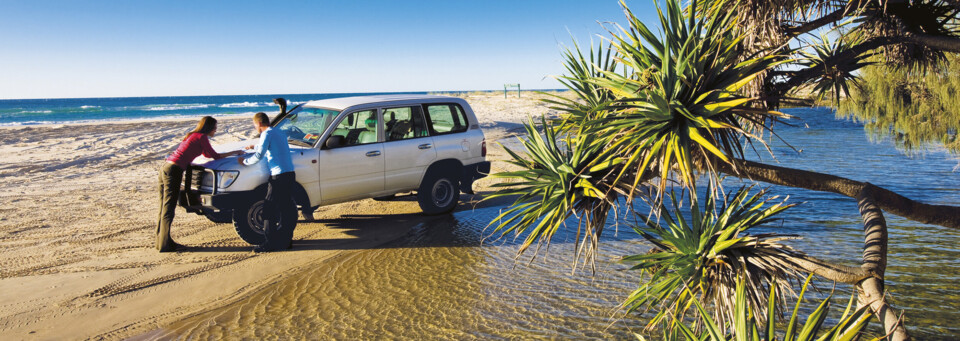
(196, 143)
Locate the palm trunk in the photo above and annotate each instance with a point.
(872, 201)
(889, 201)
(871, 291)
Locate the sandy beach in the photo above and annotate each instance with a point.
(78, 214)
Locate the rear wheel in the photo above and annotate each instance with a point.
(439, 193)
(248, 222)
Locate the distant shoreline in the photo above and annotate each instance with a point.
(47, 112)
(284, 95)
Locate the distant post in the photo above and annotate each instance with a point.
(507, 86)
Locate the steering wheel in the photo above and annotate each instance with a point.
(296, 132)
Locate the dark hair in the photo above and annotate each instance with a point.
(261, 118)
(205, 126)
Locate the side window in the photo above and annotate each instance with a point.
(358, 128)
(404, 123)
(445, 118)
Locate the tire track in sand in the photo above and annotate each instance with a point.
(128, 283)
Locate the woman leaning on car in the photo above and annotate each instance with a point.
(196, 142)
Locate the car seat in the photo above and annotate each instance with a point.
(370, 134)
(401, 130)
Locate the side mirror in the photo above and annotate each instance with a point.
(333, 141)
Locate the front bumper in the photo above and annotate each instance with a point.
(196, 202)
(195, 199)
(225, 200)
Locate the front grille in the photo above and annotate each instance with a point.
(195, 177)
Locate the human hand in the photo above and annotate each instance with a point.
(240, 160)
(248, 147)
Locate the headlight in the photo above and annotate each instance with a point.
(206, 178)
(226, 178)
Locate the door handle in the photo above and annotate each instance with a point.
(374, 153)
(425, 146)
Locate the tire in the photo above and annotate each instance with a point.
(221, 217)
(248, 222)
(439, 193)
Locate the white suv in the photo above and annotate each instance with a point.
(347, 149)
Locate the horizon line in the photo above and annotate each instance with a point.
(294, 94)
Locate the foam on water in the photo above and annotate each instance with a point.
(166, 107)
(246, 105)
(65, 110)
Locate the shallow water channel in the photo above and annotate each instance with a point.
(444, 281)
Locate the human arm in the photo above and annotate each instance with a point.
(207, 150)
(258, 150)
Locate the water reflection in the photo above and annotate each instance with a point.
(441, 281)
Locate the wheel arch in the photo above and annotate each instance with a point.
(450, 165)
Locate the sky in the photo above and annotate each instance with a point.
(65, 49)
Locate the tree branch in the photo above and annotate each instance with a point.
(871, 290)
(869, 278)
(949, 44)
(794, 31)
(798, 77)
(947, 216)
(837, 273)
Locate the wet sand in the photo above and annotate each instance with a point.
(78, 213)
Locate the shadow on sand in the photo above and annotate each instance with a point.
(375, 231)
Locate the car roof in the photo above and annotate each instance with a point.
(346, 102)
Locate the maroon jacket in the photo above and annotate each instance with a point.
(191, 148)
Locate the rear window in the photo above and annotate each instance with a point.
(445, 118)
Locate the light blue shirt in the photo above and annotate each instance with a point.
(273, 145)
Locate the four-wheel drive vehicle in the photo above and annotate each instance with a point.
(347, 149)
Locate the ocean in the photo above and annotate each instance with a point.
(64, 110)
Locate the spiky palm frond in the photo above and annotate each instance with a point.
(835, 77)
(588, 97)
(560, 176)
(672, 112)
(746, 326)
(679, 110)
(703, 257)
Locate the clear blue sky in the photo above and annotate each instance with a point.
(52, 49)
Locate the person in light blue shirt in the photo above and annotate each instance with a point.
(274, 148)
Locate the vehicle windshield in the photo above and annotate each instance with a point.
(305, 125)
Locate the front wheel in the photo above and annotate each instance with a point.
(248, 222)
(438, 194)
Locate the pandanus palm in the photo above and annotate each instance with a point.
(746, 326)
(678, 109)
(589, 98)
(670, 111)
(558, 177)
(672, 106)
(837, 77)
(704, 255)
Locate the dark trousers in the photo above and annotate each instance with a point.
(279, 199)
(171, 176)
